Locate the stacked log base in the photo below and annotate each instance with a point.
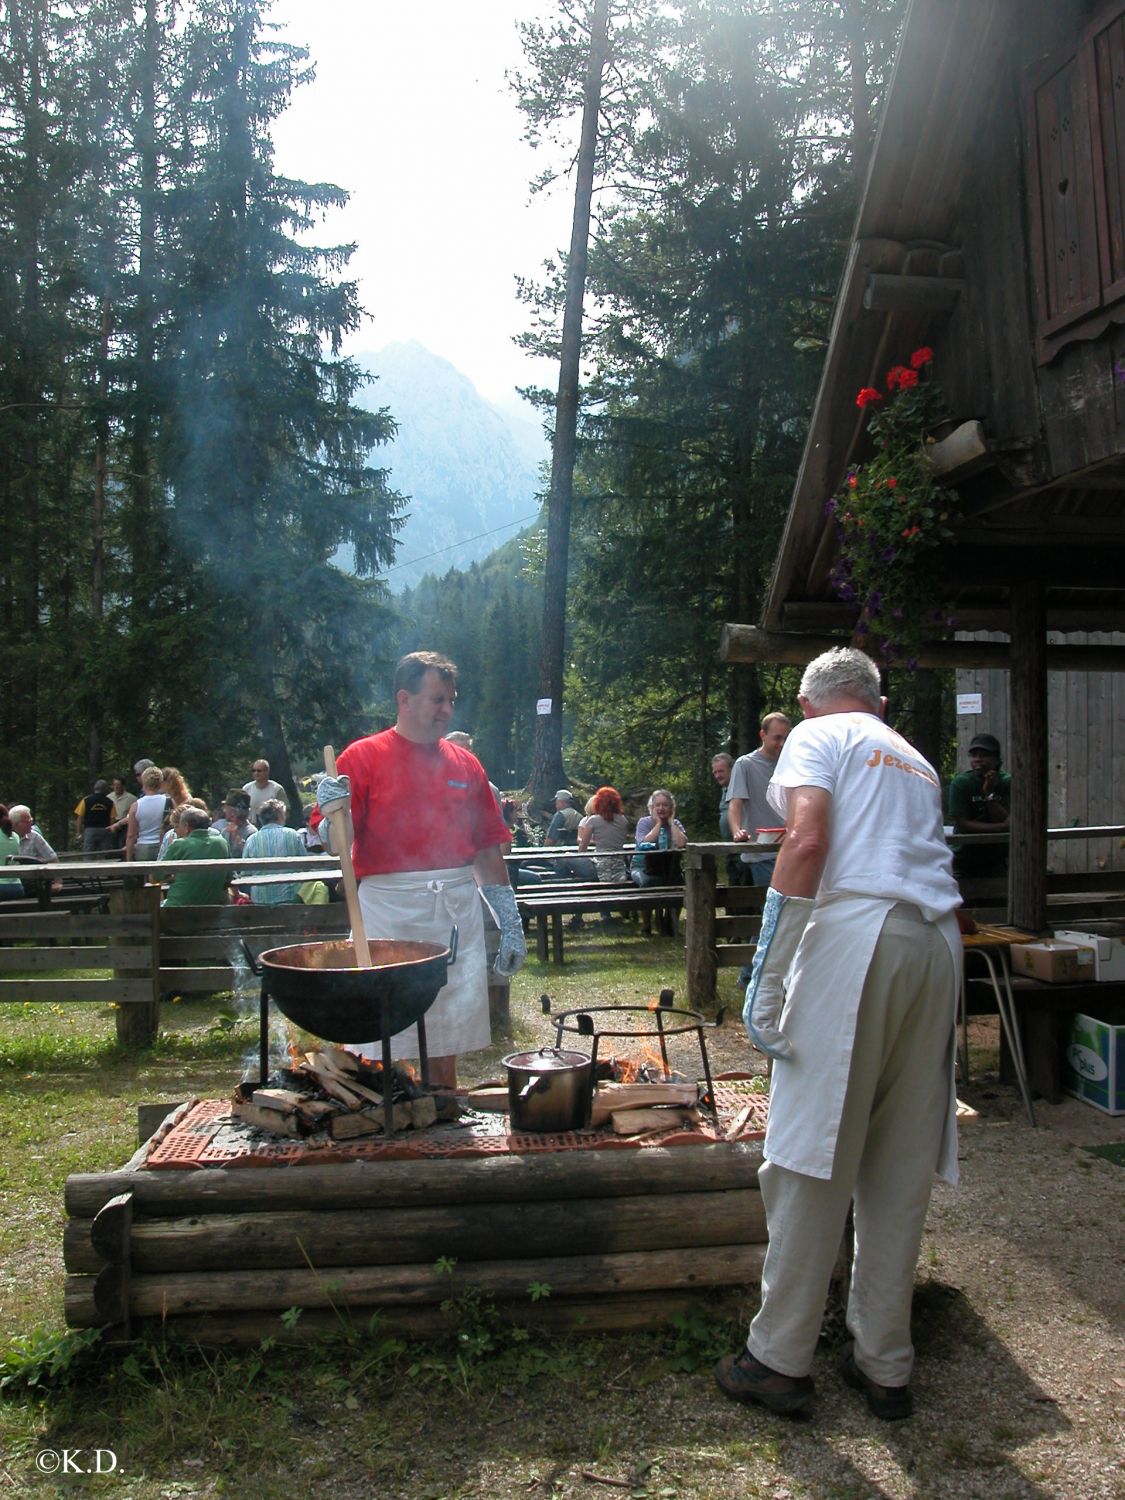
(623, 1239)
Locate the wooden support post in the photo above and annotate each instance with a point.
(700, 881)
(1027, 872)
(138, 1022)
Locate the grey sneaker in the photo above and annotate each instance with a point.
(744, 1378)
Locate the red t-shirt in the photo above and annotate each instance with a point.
(418, 807)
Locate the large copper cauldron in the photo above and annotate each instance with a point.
(319, 987)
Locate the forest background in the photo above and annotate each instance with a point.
(183, 457)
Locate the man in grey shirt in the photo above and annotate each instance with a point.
(748, 808)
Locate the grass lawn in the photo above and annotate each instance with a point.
(483, 1413)
(362, 1413)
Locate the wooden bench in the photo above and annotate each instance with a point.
(548, 904)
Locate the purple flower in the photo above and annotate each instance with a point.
(1119, 370)
(830, 507)
(873, 602)
(912, 664)
(887, 555)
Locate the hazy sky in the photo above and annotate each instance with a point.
(411, 114)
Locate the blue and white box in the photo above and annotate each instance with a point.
(1094, 1064)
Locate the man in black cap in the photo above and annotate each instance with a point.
(980, 801)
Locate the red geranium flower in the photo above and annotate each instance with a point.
(921, 356)
(867, 395)
(892, 482)
(895, 375)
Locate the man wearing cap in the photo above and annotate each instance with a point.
(562, 833)
(235, 825)
(980, 801)
(95, 814)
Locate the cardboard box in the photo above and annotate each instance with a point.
(1109, 952)
(1055, 962)
(1094, 1064)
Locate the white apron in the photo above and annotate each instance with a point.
(423, 906)
(827, 976)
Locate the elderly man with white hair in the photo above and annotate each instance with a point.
(32, 843)
(33, 846)
(853, 994)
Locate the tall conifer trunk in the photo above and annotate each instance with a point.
(547, 770)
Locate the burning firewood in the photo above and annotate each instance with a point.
(336, 1091)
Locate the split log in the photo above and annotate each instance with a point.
(354, 1124)
(492, 1100)
(286, 1101)
(193, 1292)
(710, 1167)
(329, 1081)
(739, 1123)
(271, 1119)
(611, 1097)
(482, 1231)
(637, 1121)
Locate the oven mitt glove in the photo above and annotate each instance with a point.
(330, 792)
(332, 789)
(783, 921)
(513, 948)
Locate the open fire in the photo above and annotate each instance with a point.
(335, 1092)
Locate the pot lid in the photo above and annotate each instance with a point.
(546, 1060)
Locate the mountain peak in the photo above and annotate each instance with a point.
(470, 469)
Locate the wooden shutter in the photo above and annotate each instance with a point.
(1063, 192)
(1107, 88)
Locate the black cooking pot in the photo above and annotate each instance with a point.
(321, 989)
(549, 1090)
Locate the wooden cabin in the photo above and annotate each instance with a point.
(992, 228)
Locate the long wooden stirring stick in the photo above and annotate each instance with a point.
(339, 819)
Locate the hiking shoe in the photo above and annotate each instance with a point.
(888, 1402)
(744, 1378)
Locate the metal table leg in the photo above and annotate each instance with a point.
(1006, 1004)
(963, 1026)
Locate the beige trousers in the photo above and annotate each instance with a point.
(886, 1154)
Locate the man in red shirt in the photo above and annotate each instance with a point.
(428, 833)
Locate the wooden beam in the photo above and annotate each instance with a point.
(925, 294)
(746, 643)
(1027, 872)
(961, 450)
(830, 617)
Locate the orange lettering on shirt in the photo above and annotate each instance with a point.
(876, 758)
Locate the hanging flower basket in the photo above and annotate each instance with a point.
(890, 515)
